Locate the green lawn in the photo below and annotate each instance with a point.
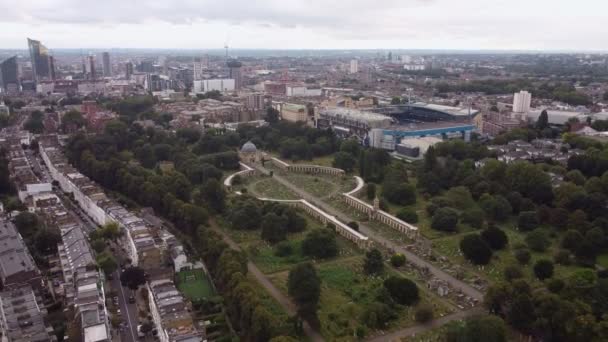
(320, 185)
(197, 288)
(602, 260)
(270, 188)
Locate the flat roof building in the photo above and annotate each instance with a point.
(21, 318)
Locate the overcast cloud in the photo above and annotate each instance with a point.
(323, 24)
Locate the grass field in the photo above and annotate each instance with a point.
(270, 188)
(197, 288)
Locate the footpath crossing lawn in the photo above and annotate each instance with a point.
(194, 284)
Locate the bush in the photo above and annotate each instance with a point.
(283, 249)
(445, 219)
(320, 243)
(473, 217)
(555, 285)
(402, 290)
(398, 260)
(543, 269)
(408, 215)
(537, 240)
(562, 257)
(354, 225)
(523, 256)
(495, 237)
(527, 221)
(424, 313)
(571, 240)
(512, 272)
(475, 249)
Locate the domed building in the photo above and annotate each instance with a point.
(249, 153)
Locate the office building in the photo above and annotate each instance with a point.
(90, 68)
(128, 70)
(219, 84)
(39, 55)
(107, 67)
(235, 73)
(354, 66)
(52, 67)
(521, 102)
(9, 73)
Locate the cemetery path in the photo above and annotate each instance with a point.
(274, 292)
(437, 272)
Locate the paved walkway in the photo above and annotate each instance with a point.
(363, 228)
(418, 329)
(283, 300)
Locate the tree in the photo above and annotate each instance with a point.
(512, 272)
(304, 286)
(373, 263)
(46, 240)
(543, 120)
(527, 220)
(106, 262)
(572, 239)
(522, 255)
(399, 192)
(475, 249)
(98, 245)
(408, 215)
(496, 207)
(424, 313)
(344, 161)
(133, 277)
(543, 269)
(529, 180)
(72, 119)
(495, 237)
(320, 243)
(398, 260)
(537, 240)
(351, 146)
(445, 219)
(402, 290)
(272, 115)
(478, 329)
(214, 195)
(521, 313)
(370, 191)
(273, 227)
(396, 100)
(283, 249)
(377, 315)
(473, 217)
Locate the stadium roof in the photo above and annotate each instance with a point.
(455, 111)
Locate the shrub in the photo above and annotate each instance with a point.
(398, 260)
(572, 239)
(445, 219)
(522, 255)
(512, 272)
(283, 249)
(408, 215)
(475, 249)
(543, 269)
(354, 225)
(495, 237)
(527, 220)
(320, 243)
(473, 217)
(402, 290)
(562, 257)
(555, 285)
(537, 240)
(424, 313)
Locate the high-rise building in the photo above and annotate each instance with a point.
(235, 73)
(91, 72)
(128, 70)
(107, 67)
(52, 67)
(39, 55)
(9, 73)
(354, 66)
(521, 102)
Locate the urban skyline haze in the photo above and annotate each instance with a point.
(360, 24)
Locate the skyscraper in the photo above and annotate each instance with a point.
(39, 55)
(521, 102)
(91, 72)
(107, 67)
(235, 73)
(354, 66)
(52, 67)
(128, 70)
(9, 74)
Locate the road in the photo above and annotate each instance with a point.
(363, 228)
(129, 311)
(283, 300)
(418, 329)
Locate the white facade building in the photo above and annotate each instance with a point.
(302, 91)
(219, 84)
(522, 102)
(354, 66)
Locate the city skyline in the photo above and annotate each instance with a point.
(361, 24)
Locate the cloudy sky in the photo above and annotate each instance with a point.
(306, 24)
